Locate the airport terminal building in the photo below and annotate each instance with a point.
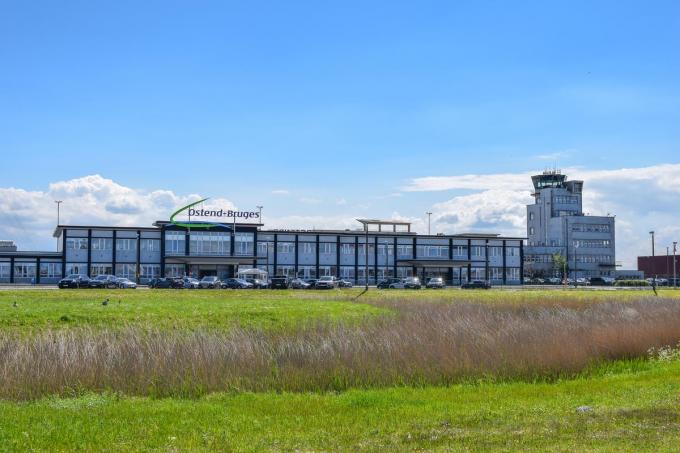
(376, 250)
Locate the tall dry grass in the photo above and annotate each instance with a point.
(424, 343)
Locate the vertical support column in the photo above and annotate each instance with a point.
(469, 272)
(337, 256)
(375, 259)
(394, 256)
(89, 251)
(113, 252)
(139, 255)
(37, 270)
(317, 256)
(63, 254)
(486, 260)
(187, 242)
(413, 256)
(450, 276)
(356, 258)
(295, 258)
(11, 269)
(276, 251)
(505, 274)
(162, 251)
(255, 251)
(521, 262)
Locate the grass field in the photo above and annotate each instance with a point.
(634, 400)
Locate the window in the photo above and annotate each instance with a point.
(126, 244)
(308, 248)
(306, 272)
(325, 271)
(590, 228)
(149, 271)
(478, 273)
(478, 250)
(404, 251)
(512, 251)
(592, 243)
(347, 272)
(460, 250)
(326, 248)
(532, 231)
(362, 249)
(174, 270)
(209, 243)
(496, 273)
(385, 249)
(102, 244)
(150, 245)
(286, 247)
(265, 248)
(496, 251)
(347, 249)
(432, 251)
(403, 272)
(531, 216)
(24, 270)
(512, 273)
(100, 269)
(288, 271)
(174, 243)
(76, 268)
(4, 270)
(244, 244)
(76, 243)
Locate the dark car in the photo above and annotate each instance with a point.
(236, 283)
(74, 281)
(598, 281)
(476, 284)
(311, 282)
(384, 284)
(104, 281)
(298, 283)
(279, 282)
(435, 283)
(257, 283)
(342, 283)
(166, 282)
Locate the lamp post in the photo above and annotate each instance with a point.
(429, 218)
(675, 278)
(58, 202)
(259, 208)
(652, 234)
(366, 255)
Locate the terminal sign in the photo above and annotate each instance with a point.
(195, 212)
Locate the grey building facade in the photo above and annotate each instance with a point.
(556, 225)
(166, 249)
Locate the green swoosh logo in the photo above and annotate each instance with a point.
(191, 224)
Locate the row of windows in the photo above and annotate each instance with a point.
(565, 199)
(106, 244)
(203, 243)
(348, 272)
(592, 243)
(606, 259)
(403, 251)
(28, 270)
(125, 270)
(591, 227)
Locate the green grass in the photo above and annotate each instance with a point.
(161, 309)
(636, 407)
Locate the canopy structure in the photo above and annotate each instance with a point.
(253, 273)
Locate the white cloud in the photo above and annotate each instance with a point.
(309, 200)
(642, 199)
(341, 202)
(281, 192)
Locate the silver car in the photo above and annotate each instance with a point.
(125, 283)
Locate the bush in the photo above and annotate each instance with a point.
(631, 283)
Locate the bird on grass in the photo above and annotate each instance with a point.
(106, 302)
(15, 305)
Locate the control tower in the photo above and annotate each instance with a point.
(556, 225)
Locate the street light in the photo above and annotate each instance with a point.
(59, 202)
(260, 214)
(675, 278)
(652, 233)
(429, 216)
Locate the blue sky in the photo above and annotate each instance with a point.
(338, 107)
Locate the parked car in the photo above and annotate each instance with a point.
(236, 283)
(279, 282)
(435, 283)
(74, 281)
(327, 282)
(554, 280)
(210, 282)
(476, 284)
(384, 284)
(597, 281)
(103, 281)
(298, 283)
(191, 283)
(125, 283)
(407, 283)
(342, 283)
(311, 282)
(166, 282)
(257, 283)
(582, 281)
